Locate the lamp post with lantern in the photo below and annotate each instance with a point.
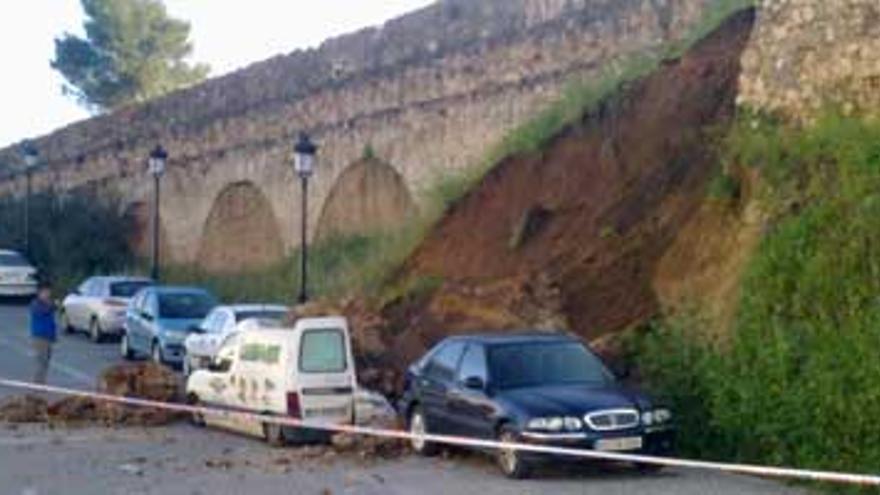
(156, 166)
(304, 165)
(30, 156)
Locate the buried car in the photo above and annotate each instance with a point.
(99, 304)
(541, 388)
(304, 371)
(223, 321)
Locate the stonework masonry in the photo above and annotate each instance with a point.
(806, 55)
(428, 92)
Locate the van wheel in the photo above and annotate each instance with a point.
(125, 348)
(418, 427)
(197, 418)
(511, 460)
(274, 434)
(95, 330)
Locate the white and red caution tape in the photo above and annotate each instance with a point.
(756, 470)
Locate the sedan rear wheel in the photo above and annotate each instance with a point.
(95, 330)
(65, 323)
(156, 353)
(125, 348)
(511, 460)
(418, 427)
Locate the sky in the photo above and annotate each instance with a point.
(227, 34)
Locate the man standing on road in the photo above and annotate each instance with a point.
(43, 331)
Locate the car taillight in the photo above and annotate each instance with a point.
(293, 408)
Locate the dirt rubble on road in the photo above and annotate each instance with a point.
(136, 380)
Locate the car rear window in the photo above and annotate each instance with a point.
(183, 305)
(127, 289)
(263, 314)
(545, 363)
(322, 351)
(13, 259)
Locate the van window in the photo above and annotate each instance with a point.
(322, 351)
(265, 353)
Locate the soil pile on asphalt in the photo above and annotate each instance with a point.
(24, 409)
(139, 380)
(590, 217)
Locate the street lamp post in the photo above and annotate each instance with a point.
(156, 165)
(30, 155)
(304, 164)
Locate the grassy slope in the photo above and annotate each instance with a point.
(796, 384)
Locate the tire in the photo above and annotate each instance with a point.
(156, 353)
(125, 347)
(65, 323)
(197, 419)
(418, 425)
(511, 461)
(274, 434)
(95, 331)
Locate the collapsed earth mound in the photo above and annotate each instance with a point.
(594, 212)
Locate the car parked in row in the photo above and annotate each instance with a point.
(206, 338)
(98, 305)
(159, 319)
(546, 389)
(18, 277)
(305, 371)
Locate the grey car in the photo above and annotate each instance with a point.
(97, 306)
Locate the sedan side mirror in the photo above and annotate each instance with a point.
(474, 383)
(147, 316)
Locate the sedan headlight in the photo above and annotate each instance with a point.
(656, 417)
(555, 423)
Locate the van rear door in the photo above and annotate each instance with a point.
(324, 376)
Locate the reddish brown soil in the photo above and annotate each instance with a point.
(606, 198)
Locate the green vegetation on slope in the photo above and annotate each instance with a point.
(797, 381)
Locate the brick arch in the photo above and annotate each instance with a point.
(241, 231)
(138, 216)
(369, 195)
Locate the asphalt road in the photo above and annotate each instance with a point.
(181, 459)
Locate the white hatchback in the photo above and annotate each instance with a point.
(18, 278)
(223, 321)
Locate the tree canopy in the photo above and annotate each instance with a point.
(133, 51)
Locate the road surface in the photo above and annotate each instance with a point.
(184, 460)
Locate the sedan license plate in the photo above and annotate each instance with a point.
(619, 444)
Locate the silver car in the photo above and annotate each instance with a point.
(98, 305)
(17, 276)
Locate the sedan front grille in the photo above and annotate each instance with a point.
(612, 419)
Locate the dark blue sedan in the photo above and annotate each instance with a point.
(541, 388)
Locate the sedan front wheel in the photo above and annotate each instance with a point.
(511, 460)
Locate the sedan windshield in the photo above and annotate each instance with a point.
(127, 289)
(185, 305)
(13, 259)
(539, 363)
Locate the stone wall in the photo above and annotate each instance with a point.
(428, 92)
(808, 54)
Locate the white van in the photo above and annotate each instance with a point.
(305, 372)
